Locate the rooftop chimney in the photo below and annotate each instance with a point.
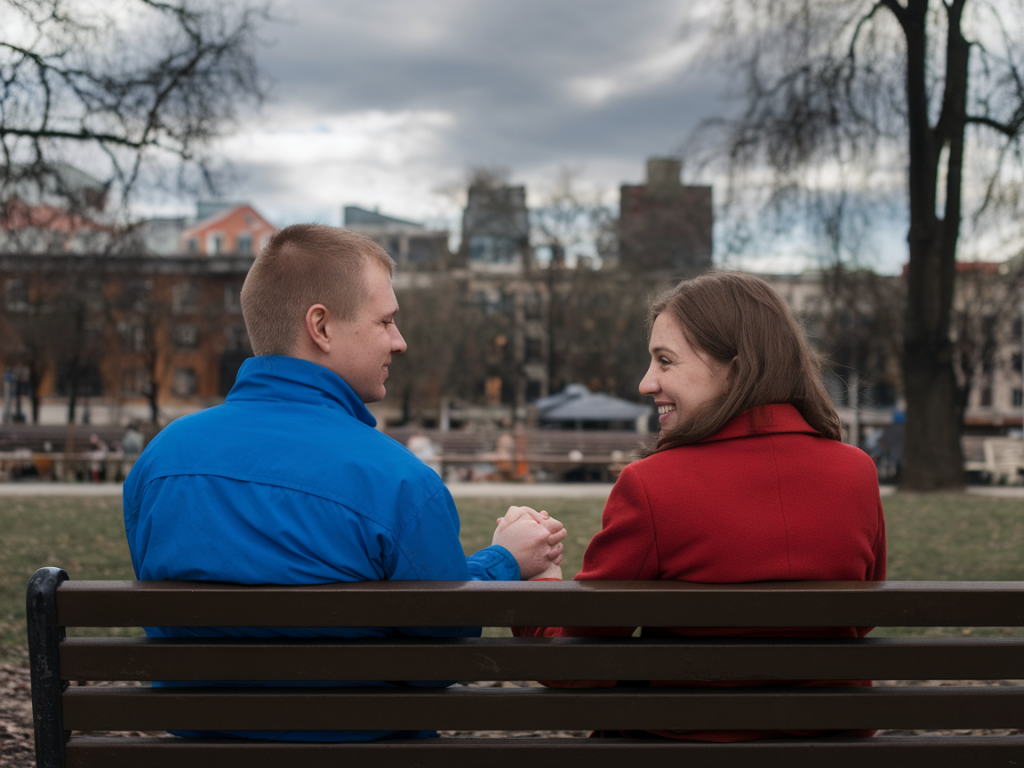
(663, 174)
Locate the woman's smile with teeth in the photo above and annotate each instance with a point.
(663, 409)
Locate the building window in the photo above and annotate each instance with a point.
(185, 298)
(532, 306)
(491, 249)
(193, 245)
(94, 297)
(16, 296)
(233, 298)
(492, 390)
(534, 349)
(234, 338)
(183, 382)
(244, 243)
(1018, 397)
(985, 401)
(1017, 361)
(134, 381)
(132, 335)
(185, 337)
(135, 294)
(214, 243)
(422, 250)
(85, 380)
(532, 391)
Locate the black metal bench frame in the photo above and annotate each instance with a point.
(55, 603)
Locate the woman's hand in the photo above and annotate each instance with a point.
(553, 572)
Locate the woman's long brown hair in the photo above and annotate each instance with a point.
(740, 321)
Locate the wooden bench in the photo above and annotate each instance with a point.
(600, 452)
(62, 713)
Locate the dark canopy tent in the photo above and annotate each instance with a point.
(577, 405)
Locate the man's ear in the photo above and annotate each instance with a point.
(316, 327)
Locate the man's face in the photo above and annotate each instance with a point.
(362, 348)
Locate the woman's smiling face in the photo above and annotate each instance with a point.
(680, 379)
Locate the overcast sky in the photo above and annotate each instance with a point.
(388, 103)
(383, 103)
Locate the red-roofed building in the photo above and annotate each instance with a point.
(236, 230)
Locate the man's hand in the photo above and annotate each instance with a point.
(554, 527)
(534, 539)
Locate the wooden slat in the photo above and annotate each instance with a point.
(778, 604)
(540, 708)
(542, 659)
(878, 752)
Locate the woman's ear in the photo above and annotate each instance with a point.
(733, 372)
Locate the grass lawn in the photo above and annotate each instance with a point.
(931, 537)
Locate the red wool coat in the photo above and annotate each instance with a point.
(764, 499)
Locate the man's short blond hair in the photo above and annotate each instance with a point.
(303, 265)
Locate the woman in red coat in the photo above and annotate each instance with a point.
(749, 480)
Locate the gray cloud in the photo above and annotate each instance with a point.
(510, 74)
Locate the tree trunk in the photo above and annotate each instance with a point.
(933, 457)
(73, 394)
(153, 396)
(33, 386)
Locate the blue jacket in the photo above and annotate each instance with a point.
(288, 482)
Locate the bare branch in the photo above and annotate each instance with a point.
(899, 11)
(1009, 129)
(171, 95)
(83, 135)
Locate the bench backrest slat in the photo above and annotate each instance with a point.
(543, 659)
(930, 752)
(780, 604)
(148, 709)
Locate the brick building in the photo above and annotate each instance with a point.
(413, 246)
(231, 229)
(138, 337)
(665, 226)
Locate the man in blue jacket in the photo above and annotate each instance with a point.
(288, 482)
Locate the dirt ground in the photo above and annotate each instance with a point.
(17, 748)
(16, 744)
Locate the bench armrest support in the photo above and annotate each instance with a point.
(44, 639)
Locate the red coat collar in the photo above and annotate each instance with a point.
(764, 420)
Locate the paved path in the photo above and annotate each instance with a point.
(459, 490)
(531, 490)
(60, 489)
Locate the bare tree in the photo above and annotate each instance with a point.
(859, 331)
(139, 315)
(599, 329)
(115, 85)
(431, 322)
(31, 334)
(571, 221)
(55, 315)
(843, 99)
(985, 310)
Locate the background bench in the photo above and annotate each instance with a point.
(604, 452)
(55, 603)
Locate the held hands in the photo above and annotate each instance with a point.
(534, 539)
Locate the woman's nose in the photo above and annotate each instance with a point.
(648, 385)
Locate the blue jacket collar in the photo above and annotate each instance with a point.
(275, 377)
